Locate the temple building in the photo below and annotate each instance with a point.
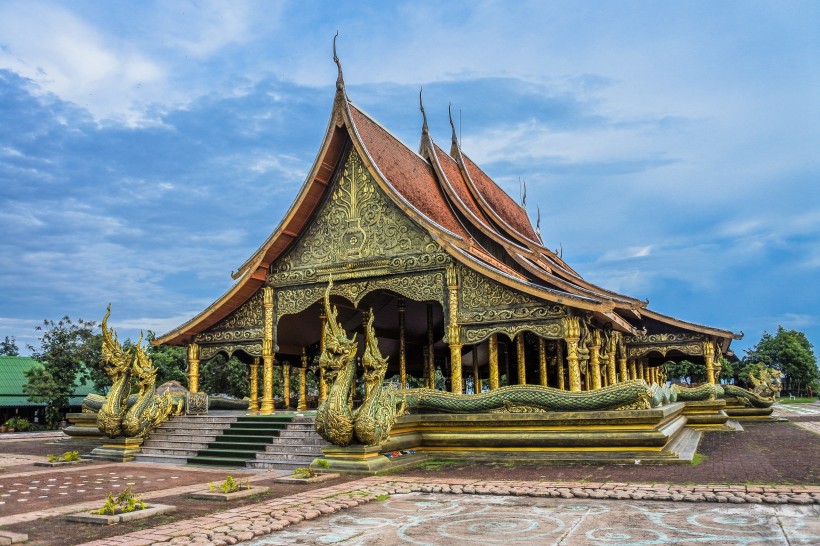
(459, 282)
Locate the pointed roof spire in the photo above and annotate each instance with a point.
(424, 129)
(452, 125)
(524, 197)
(340, 81)
(538, 221)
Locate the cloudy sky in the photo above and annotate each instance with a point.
(147, 149)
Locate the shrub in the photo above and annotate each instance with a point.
(126, 501)
(230, 485)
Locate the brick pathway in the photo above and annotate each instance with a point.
(249, 522)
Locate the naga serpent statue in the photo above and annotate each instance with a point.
(371, 423)
(117, 417)
(150, 410)
(334, 417)
(374, 419)
(117, 363)
(766, 384)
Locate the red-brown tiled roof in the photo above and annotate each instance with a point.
(503, 205)
(457, 182)
(407, 172)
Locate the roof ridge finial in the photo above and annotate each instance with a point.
(452, 125)
(538, 221)
(424, 128)
(340, 81)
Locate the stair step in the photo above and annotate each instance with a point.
(218, 461)
(244, 446)
(159, 444)
(167, 452)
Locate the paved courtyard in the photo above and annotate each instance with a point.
(774, 499)
(435, 518)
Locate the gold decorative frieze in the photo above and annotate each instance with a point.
(655, 339)
(695, 348)
(480, 292)
(477, 334)
(209, 351)
(418, 287)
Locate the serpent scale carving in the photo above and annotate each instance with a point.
(150, 410)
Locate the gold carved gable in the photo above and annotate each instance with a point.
(486, 300)
(357, 232)
(243, 324)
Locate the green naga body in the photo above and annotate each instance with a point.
(634, 394)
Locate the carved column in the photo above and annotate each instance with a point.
(302, 405)
(572, 334)
(594, 359)
(507, 363)
(431, 356)
(286, 383)
(717, 365)
(493, 352)
(709, 360)
(267, 352)
(633, 374)
(521, 358)
(611, 375)
(453, 330)
(402, 346)
(542, 361)
(425, 372)
(322, 383)
(560, 361)
(476, 376)
(253, 405)
(193, 367)
(639, 366)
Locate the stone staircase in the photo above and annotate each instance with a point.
(182, 437)
(242, 440)
(296, 446)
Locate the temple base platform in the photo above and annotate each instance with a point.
(121, 450)
(709, 416)
(651, 436)
(737, 410)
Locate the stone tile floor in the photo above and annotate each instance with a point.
(436, 518)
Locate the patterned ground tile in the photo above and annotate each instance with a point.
(429, 518)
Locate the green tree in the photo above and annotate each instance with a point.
(790, 352)
(66, 350)
(8, 347)
(170, 361)
(221, 376)
(686, 372)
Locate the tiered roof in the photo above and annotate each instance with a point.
(458, 204)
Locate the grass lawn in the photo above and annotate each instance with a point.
(787, 400)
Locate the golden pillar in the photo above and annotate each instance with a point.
(402, 346)
(624, 373)
(560, 361)
(431, 357)
(322, 383)
(709, 360)
(542, 361)
(639, 366)
(572, 334)
(594, 359)
(286, 383)
(507, 363)
(521, 359)
(453, 330)
(493, 351)
(633, 374)
(476, 376)
(611, 375)
(302, 404)
(267, 352)
(425, 373)
(253, 405)
(193, 367)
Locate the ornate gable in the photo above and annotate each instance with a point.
(357, 232)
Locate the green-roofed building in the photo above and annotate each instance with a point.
(13, 401)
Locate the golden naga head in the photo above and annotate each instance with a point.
(336, 340)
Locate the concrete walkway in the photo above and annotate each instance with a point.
(256, 521)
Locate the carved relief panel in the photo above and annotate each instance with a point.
(244, 324)
(357, 232)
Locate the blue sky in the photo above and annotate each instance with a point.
(147, 149)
